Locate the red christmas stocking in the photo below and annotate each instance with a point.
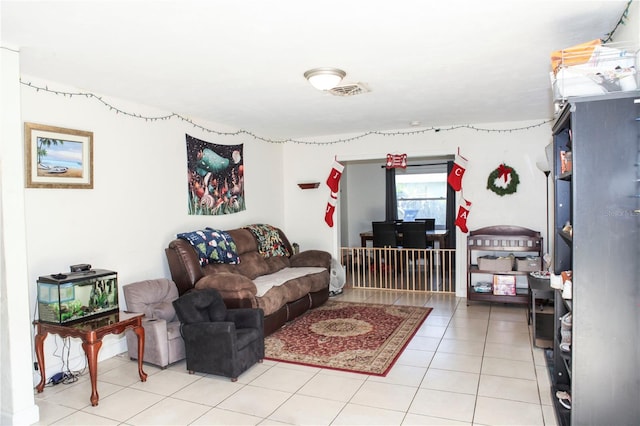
(455, 176)
(331, 208)
(463, 212)
(333, 181)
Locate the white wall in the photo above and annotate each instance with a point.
(304, 209)
(17, 405)
(139, 199)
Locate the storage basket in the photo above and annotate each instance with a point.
(528, 264)
(495, 263)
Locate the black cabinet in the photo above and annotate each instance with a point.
(541, 311)
(596, 236)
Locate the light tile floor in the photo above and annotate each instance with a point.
(467, 365)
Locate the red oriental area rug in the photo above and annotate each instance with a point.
(356, 337)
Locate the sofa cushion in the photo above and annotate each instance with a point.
(245, 241)
(272, 300)
(152, 297)
(276, 263)
(296, 288)
(318, 281)
(311, 258)
(164, 310)
(251, 265)
(200, 306)
(227, 283)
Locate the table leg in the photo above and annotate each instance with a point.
(39, 340)
(139, 330)
(91, 350)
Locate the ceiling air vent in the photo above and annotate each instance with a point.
(350, 89)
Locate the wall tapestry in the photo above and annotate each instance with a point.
(216, 177)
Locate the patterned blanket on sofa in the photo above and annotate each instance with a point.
(212, 246)
(269, 242)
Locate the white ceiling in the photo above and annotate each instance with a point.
(241, 63)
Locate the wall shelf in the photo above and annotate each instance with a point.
(309, 185)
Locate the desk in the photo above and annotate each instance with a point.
(91, 332)
(439, 235)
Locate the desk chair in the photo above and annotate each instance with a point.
(431, 226)
(384, 234)
(414, 237)
(398, 223)
(431, 223)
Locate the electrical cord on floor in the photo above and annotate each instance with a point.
(66, 376)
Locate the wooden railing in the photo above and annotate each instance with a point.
(399, 268)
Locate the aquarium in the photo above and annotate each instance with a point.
(75, 296)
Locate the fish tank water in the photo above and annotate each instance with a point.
(76, 296)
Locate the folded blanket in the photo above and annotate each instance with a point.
(212, 246)
(269, 242)
(265, 282)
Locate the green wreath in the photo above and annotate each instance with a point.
(503, 170)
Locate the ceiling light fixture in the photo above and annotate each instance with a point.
(325, 78)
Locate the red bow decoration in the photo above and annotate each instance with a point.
(504, 171)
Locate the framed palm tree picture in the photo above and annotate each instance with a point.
(57, 157)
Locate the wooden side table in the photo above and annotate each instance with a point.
(91, 332)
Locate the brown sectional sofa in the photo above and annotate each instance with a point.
(237, 282)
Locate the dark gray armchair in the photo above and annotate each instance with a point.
(220, 341)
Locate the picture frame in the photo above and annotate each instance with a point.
(504, 285)
(56, 157)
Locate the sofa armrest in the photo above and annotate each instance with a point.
(229, 285)
(317, 258)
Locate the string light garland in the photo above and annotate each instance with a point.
(179, 117)
(621, 21)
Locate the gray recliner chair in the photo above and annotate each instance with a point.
(163, 343)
